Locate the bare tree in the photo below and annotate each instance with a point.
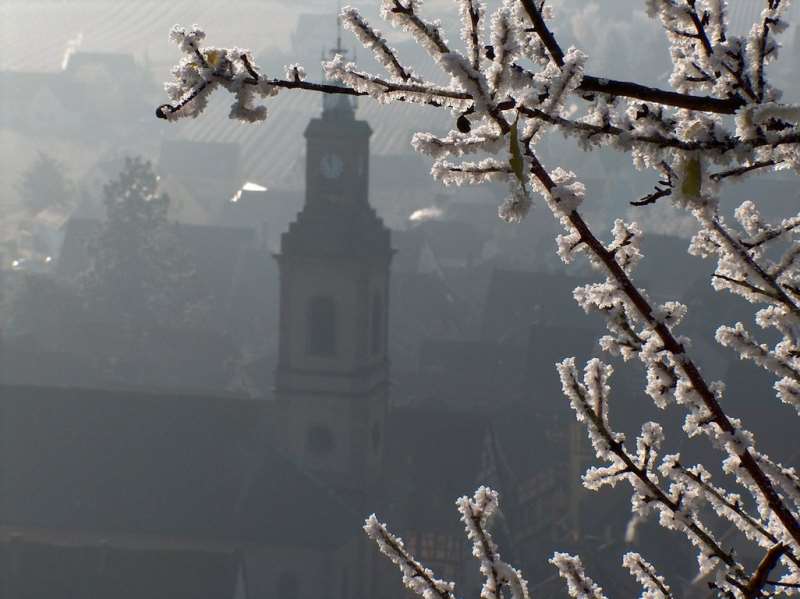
(722, 119)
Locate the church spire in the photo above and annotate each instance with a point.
(338, 105)
(339, 49)
(332, 374)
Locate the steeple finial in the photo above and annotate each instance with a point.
(335, 103)
(338, 49)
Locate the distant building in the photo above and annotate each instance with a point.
(266, 496)
(199, 177)
(92, 90)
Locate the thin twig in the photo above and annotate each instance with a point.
(735, 507)
(746, 285)
(767, 564)
(652, 198)
(777, 291)
(544, 33)
(725, 145)
(656, 493)
(741, 170)
(678, 351)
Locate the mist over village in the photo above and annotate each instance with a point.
(442, 299)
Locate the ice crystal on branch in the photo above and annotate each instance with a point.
(416, 577)
(654, 585)
(509, 88)
(477, 513)
(201, 70)
(580, 586)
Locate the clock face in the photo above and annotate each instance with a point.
(331, 166)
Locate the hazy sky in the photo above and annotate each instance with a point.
(618, 37)
(140, 26)
(616, 34)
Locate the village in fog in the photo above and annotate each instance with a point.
(203, 395)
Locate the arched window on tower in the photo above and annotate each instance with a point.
(376, 324)
(321, 322)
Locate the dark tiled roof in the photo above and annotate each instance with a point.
(322, 229)
(516, 300)
(452, 240)
(215, 253)
(123, 461)
(191, 160)
(472, 373)
(47, 571)
(421, 307)
(432, 457)
(145, 463)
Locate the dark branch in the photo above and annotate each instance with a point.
(652, 198)
(628, 89)
(778, 292)
(788, 585)
(474, 17)
(654, 491)
(544, 33)
(434, 36)
(700, 28)
(735, 172)
(759, 578)
(682, 360)
(725, 145)
(746, 285)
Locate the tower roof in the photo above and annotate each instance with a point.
(327, 230)
(338, 105)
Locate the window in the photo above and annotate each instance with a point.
(376, 325)
(319, 441)
(321, 332)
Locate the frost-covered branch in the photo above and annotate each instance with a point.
(579, 585)
(476, 514)
(508, 90)
(644, 572)
(589, 399)
(372, 39)
(472, 17)
(765, 567)
(416, 577)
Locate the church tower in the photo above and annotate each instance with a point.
(332, 372)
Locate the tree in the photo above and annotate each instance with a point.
(721, 121)
(139, 276)
(44, 185)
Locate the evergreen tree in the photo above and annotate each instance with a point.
(139, 275)
(45, 185)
